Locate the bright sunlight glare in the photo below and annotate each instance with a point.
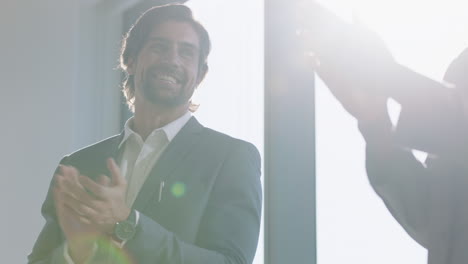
(353, 225)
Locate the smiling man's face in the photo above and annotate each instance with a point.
(166, 71)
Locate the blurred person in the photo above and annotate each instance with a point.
(428, 199)
(167, 189)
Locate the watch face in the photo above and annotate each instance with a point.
(124, 230)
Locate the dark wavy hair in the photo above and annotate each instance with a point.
(138, 34)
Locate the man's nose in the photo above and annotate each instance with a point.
(171, 56)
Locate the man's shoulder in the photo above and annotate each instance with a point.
(219, 140)
(235, 154)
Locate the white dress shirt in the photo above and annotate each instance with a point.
(138, 156)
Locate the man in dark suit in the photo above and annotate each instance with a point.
(167, 189)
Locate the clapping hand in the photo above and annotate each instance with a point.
(87, 209)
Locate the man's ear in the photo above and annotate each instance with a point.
(202, 73)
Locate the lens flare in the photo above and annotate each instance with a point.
(108, 251)
(178, 189)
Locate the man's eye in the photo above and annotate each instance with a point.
(187, 53)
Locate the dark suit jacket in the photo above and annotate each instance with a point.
(434, 125)
(216, 220)
(428, 200)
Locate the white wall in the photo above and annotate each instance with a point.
(43, 45)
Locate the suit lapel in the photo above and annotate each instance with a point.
(94, 164)
(113, 150)
(174, 154)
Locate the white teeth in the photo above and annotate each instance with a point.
(167, 78)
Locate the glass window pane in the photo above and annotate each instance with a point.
(231, 96)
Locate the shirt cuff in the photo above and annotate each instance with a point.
(68, 258)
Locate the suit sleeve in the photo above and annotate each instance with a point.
(434, 125)
(229, 227)
(399, 179)
(49, 246)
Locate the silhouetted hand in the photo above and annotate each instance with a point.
(350, 56)
(364, 106)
